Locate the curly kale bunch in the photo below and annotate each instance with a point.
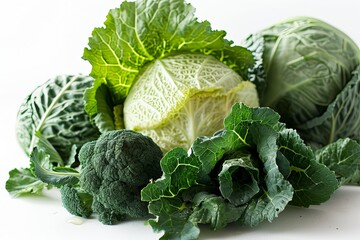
(114, 169)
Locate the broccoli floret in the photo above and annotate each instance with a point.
(114, 170)
(76, 201)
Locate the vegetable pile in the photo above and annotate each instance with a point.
(177, 125)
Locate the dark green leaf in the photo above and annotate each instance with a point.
(341, 118)
(214, 210)
(180, 172)
(276, 192)
(239, 180)
(313, 182)
(248, 173)
(56, 111)
(342, 157)
(173, 218)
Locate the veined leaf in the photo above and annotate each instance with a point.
(239, 179)
(340, 120)
(246, 173)
(44, 170)
(276, 192)
(23, 181)
(342, 157)
(56, 111)
(313, 182)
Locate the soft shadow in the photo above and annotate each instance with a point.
(290, 220)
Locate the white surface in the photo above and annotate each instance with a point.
(40, 39)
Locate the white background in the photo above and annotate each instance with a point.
(40, 39)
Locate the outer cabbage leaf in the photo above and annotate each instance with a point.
(343, 158)
(313, 182)
(340, 120)
(56, 111)
(140, 32)
(275, 191)
(23, 181)
(306, 64)
(44, 170)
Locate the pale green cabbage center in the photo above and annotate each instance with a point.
(182, 97)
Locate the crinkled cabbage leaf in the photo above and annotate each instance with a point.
(56, 111)
(51, 126)
(181, 97)
(342, 157)
(305, 71)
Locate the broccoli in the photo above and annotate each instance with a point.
(76, 201)
(114, 169)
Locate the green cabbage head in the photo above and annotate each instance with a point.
(307, 71)
(178, 98)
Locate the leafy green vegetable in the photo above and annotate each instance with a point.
(304, 71)
(44, 170)
(340, 120)
(178, 98)
(343, 158)
(115, 168)
(246, 173)
(163, 39)
(53, 121)
(23, 181)
(76, 201)
(56, 111)
(180, 88)
(316, 180)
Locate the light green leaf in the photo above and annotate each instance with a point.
(23, 181)
(44, 145)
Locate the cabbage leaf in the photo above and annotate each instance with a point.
(342, 157)
(53, 121)
(55, 110)
(340, 120)
(306, 70)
